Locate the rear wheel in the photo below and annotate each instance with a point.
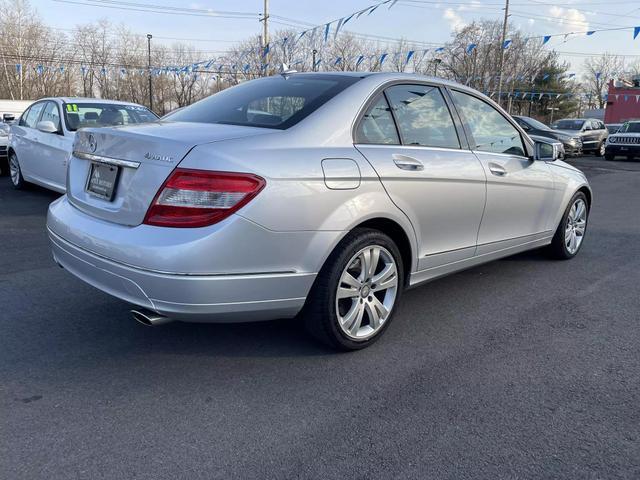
(15, 172)
(354, 297)
(570, 234)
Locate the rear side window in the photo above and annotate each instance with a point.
(423, 116)
(491, 131)
(273, 102)
(377, 126)
(31, 118)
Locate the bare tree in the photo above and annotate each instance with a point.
(597, 72)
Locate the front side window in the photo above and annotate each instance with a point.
(51, 114)
(491, 131)
(79, 115)
(31, 118)
(423, 116)
(377, 126)
(274, 102)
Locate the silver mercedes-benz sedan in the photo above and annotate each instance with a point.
(321, 196)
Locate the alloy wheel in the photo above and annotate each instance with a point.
(367, 292)
(14, 170)
(576, 226)
(602, 149)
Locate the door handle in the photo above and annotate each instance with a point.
(405, 162)
(497, 170)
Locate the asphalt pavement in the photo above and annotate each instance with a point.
(521, 368)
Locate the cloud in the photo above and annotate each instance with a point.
(455, 21)
(570, 18)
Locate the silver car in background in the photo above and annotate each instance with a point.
(318, 195)
(40, 143)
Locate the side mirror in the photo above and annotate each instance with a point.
(47, 126)
(548, 152)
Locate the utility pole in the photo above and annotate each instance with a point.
(149, 37)
(552, 110)
(265, 33)
(504, 38)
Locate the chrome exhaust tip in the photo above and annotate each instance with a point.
(149, 318)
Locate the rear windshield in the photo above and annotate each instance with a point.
(79, 115)
(631, 127)
(273, 102)
(569, 124)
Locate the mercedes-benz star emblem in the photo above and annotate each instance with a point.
(93, 145)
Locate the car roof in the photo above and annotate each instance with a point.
(88, 100)
(384, 77)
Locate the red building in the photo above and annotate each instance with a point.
(623, 101)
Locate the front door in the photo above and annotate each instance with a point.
(53, 150)
(520, 190)
(409, 136)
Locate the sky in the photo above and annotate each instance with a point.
(427, 21)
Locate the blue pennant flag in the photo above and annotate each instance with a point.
(335, 33)
(360, 59)
(506, 44)
(373, 10)
(39, 69)
(326, 31)
(636, 31)
(393, 3)
(347, 19)
(409, 55)
(338, 60)
(545, 39)
(18, 67)
(315, 65)
(440, 49)
(246, 68)
(471, 47)
(598, 75)
(382, 58)
(302, 34)
(591, 32)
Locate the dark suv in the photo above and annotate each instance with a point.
(592, 132)
(572, 143)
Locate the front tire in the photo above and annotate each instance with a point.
(600, 151)
(569, 236)
(353, 300)
(15, 172)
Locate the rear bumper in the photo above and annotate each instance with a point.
(199, 298)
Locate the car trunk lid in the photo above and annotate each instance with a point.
(131, 163)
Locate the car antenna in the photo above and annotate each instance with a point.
(285, 71)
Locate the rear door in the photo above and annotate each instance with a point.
(25, 137)
(520, 191)
(52, 151)
(410, 137)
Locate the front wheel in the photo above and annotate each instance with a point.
(355, 295)
(14, 171)
(570, 233)
(601, 150)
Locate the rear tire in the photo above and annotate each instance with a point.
(569, 236)
(356, 293)
(15, 172)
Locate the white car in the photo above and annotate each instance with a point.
(4, 145)
(40, 143)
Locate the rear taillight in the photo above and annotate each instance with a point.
(196, 198)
